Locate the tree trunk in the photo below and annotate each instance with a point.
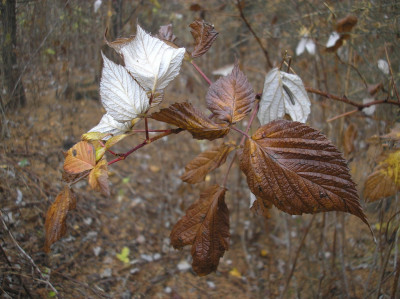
(13, 94)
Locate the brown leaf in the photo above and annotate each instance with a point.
(384, 181)
(165, 33)
(119, 43)
(98, 178)
(206, 227)
(299, 170)
(346, 24)
(80, 157)
(261, 207)
(348, 139)
(231, 98)
(204, 35)
(187, 117)
(56, 216)
(379, 186)
(206, 162)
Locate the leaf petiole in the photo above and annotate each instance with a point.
(201, 72)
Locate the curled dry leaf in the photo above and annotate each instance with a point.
(204, 35)
(384, 181)
(118, 43)
(231, 98)
(283, 93)
(98, 178)
(56, 216)
(93, 136)
(348, 139)
(346, 24)
(187, 117)
(80, 157)
(207, 161)
(122, 97)
(165, 33)
(260, 207)
(206, 227)
(299, 170)
(108, 125)
(152, 62)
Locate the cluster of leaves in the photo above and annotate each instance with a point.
(286, 163)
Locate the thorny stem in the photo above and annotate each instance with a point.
(201, 72)
(144, 143)
(254, 34)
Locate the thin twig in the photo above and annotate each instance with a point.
(254, 34)
(350, 102)
(144, 143)
(391, 74)
(343, 115)
(240, 131)
(46, 281)
(12, 268)
(296, 257)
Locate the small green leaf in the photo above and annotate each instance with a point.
(51, 294)
(23, 163)
(124, 255)
(125, 180)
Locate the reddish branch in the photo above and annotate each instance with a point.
(344, 99)
(144, 143)
(201, 73)
(239, 6)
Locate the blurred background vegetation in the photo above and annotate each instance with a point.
(55, 53)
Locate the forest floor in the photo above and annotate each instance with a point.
(329, 255)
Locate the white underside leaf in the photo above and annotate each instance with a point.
(152, 62)
(283, 94)
(333, 38)
(121, 95)
(108, 124)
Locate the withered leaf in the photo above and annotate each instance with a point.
(346, 24)
(231, 98)
(56, 216)
(204, 35)
(118, 43)
(98, 178)
(261, 207)
(206, 227)
(188, 117)
(384, 181)
(299, 170)
(199, 167)
(348, 139)
(80, 157)
(69, 178)
(165, 33)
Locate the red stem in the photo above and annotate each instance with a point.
(350, 102)
(245, 134)
(240, 131)
(144, 143)
(201, 73)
